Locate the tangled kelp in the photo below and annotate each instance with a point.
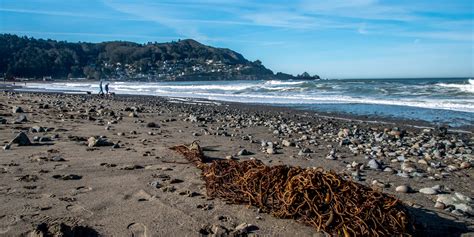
(318, 198)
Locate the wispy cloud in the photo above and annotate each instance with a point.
(361, 16)
(61, 13)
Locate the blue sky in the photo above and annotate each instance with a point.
(332, 38)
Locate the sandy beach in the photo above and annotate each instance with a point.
(104, 165)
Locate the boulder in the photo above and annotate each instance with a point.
(21, 139)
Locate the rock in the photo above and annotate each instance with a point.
(244, 152)
(36, 129)
(287, 143)
(243, 229)
(428, 191)
(67, 177)
(96, 142)
(3, 121)
(193, 118)
(408, 167)
(439, 205)
(374, 164)
(465, 165)
(21, 119)
(133, 115)
(270, 151)
(304, 151)
(152, 125)
(344, 142)
(403, 189)
(21, 139)
(17, 109)
(44, 139)
(441, 131)
(459, 201)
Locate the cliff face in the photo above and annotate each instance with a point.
(181, 60)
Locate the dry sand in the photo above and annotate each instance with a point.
(141, 188)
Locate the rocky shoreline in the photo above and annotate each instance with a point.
(104, 164)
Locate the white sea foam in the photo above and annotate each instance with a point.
(285, 92)
(467, 87)
(275, 82)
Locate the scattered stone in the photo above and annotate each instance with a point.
(403, 189)
(243, 229)
(17, 109)
(37, 129)
(465, 165)
(287, 143)
(131, 167)
(152, 125)
(408, 167)
(428, 191)
(270, 151)
(21, 119)
(96, 142)
(374, 164)
(67, 177)
(439, 205)
(244, 152)
(21, 139)
(27, 178)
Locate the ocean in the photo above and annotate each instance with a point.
(439, 101)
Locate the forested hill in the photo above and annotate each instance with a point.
(182, 60)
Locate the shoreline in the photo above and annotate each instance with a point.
(332, 115)
(133, 175)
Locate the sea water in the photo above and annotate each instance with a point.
(441, 101)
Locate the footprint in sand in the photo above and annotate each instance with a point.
(137, 230)
(140, 196)
(6, 221)
(81, 189)
(80, 210)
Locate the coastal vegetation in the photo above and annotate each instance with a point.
(24, 57)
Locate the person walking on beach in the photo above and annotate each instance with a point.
(101, 92)
(107, 88)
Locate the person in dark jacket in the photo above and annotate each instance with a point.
(101, 92)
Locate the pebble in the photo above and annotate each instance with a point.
(408, 167)
(439, 205)
(465, 165)
(7, 147)
(244, 152)
(403, 189)
(374, 164)
(287, 143)
(270, 151)
(428, 191)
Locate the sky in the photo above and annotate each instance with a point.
(331, 38)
